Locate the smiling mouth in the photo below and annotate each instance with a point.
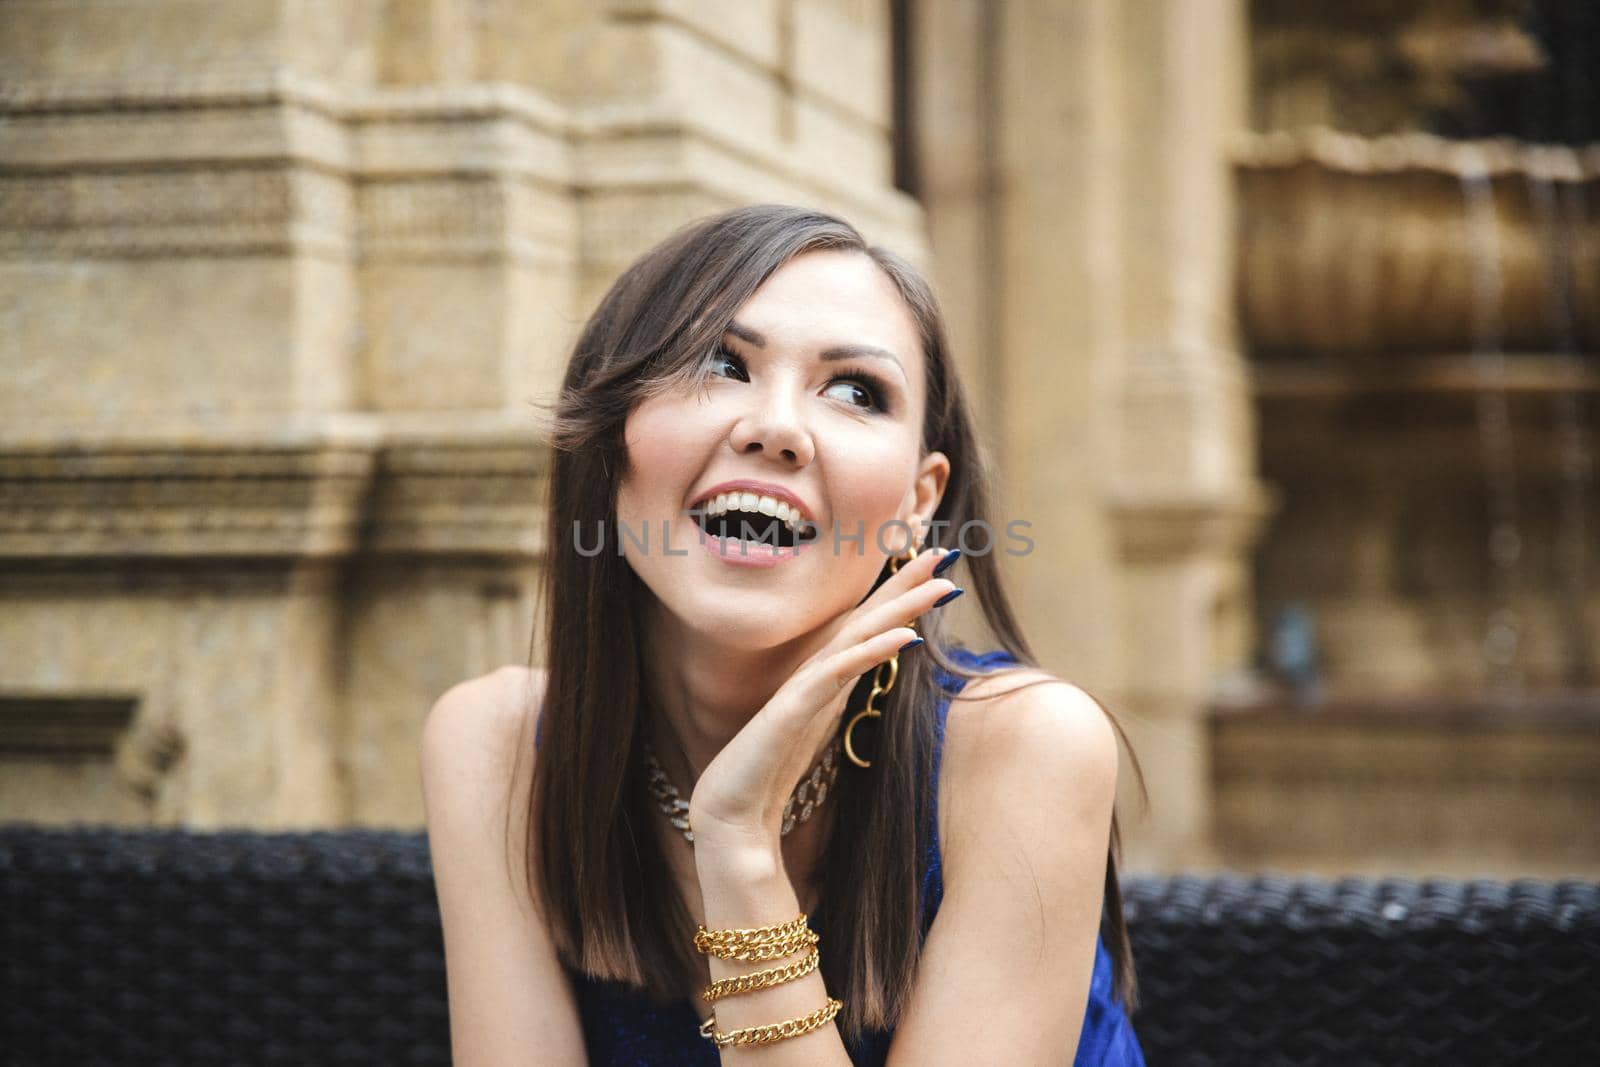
(757, 529)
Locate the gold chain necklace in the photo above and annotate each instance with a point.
(807, 796)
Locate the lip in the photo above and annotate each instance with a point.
(740, 553)
(777, 492)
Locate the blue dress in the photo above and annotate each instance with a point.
(624, 1028)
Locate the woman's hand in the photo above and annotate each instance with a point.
(738, 801)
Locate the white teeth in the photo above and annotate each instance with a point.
(785, 513)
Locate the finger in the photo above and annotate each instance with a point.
(898, 610)
(876, 629)
(841, 669)
(909, 574)
(814, 695)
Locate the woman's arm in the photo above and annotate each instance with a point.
(1029, 779)
(510, 1002)
(744, 885)
(736, 809)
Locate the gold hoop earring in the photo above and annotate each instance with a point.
(880, 686)
(881, 683)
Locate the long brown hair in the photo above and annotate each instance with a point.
(613, 908)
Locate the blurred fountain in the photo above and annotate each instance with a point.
(1560, 214)
(1415, 271)
(1503, 639)
(1359, 248)
(1422, 316)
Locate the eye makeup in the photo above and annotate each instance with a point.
(876, 388)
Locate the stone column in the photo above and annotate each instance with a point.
(1079, 197)
(1016, 147)
(1183, 489)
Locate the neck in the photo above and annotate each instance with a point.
(702, 693)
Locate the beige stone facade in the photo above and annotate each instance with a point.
(284, 277)
(281, 284)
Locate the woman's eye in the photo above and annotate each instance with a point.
(721, 356)
(862, 397)
(863, 392)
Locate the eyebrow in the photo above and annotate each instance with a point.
(749, 336)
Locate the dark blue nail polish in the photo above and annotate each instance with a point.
(951, 595)
(911, 644)
(948, 562)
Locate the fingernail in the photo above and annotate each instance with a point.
(911, 644)
(948, 562)
(951, 595)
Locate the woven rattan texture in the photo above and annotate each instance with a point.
(171, 948)
(159, 947)
(1278, 970)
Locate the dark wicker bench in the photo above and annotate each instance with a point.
(324, 948)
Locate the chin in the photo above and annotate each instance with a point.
(720, 623)
(738, 633)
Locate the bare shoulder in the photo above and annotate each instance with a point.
(476, 754)
(1022, 739)
(1025, 798)
(1010, 712)
(476, 759)
(486, 708)
(507, 991)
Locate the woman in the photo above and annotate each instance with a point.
(746, 812)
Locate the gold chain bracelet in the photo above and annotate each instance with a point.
(774, 951)
(766, 1035)
(748, 983)
(760, 943)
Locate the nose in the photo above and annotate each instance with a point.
(774, 427)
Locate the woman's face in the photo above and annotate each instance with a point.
(787, 406)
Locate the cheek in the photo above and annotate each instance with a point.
(660, 458)
(868, 483)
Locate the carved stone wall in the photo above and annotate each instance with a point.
(1420, 313)
(1380, 66)
(1076, 159)
(1366, 249)
(278, 280)
(1442, 786)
